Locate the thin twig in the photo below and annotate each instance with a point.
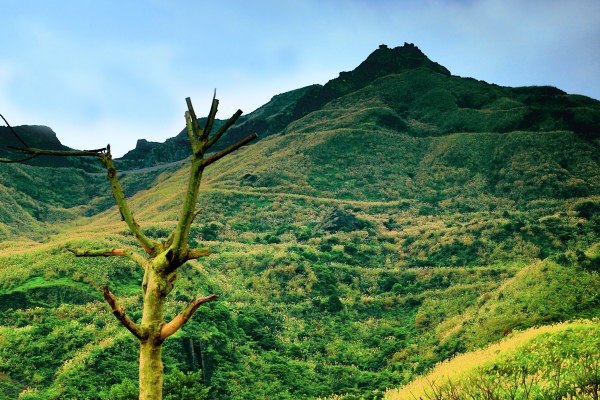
(4, 161)
(13, 131)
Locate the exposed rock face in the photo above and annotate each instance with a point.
(142, 148)
(339, 220)
(34, 135)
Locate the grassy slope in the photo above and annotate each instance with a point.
(553, 361)
(396, 318)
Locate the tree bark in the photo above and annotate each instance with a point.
(151, 366)
(151, 370)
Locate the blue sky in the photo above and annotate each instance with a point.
(109, 71)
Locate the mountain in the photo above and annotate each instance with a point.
(41, 137)
(386, 221)
(407, 92)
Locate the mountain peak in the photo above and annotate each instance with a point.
(386, 61)
(382, 62)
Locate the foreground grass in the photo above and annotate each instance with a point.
(550, 362)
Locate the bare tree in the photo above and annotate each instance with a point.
(161, 258)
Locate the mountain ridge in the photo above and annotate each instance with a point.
(445, 104)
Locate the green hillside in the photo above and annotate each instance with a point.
(385, 222)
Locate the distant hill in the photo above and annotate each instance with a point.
(397, 88)
(41, 137)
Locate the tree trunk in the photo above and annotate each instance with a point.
(155, 288)
(151, 370)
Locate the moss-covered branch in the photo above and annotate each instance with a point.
(33, 152)
(120, 315)
(228, 150)
(222, 130)
(177, 322)
(149, 245)
(193, 254)
(210, 120)
(135, 257)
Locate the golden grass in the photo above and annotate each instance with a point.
(465, 366)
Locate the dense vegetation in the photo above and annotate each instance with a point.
(410, 216)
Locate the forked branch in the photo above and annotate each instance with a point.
(118, 312)
(200, 143)
(177, 322)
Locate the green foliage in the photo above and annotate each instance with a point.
(184, 386)
(126, 390)
(587, 208)
(549, 362)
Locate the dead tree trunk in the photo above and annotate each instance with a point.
(161, 259)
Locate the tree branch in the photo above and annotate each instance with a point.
(177, 322)
(120, 315)
(195, 126)
(138, 259)
(60, 153)
(211, 118)
(222, 130)
(191, 132)
(196, 213)
(228, 150)
(4, 161)
(193, 254)
(148, 244)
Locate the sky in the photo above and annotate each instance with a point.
(114, 71)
